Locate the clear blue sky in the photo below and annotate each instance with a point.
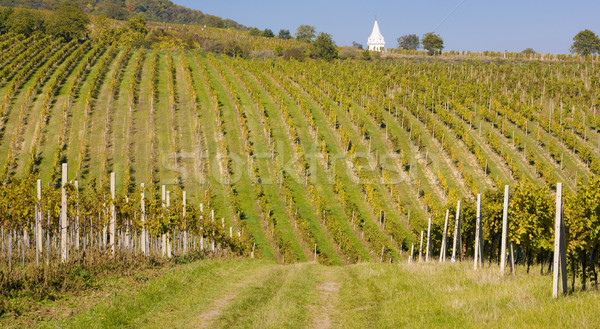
(477, 25)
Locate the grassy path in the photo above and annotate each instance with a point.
(262, 294)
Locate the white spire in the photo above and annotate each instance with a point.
(376, 41)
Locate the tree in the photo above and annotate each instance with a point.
(324, 47)
(25, 22)
(4, 16)
(138, 25)
(357, 45)
(585, 43)
(70, 22)
(112, 10)
(528, 51)
(268, 33)
(409, 42)
(306, 33)
(254, 32)
(285, 34)
(433, 43)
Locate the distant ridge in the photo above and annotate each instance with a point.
(152, 10)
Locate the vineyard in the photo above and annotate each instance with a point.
(162, 151)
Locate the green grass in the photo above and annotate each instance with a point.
(253, 294)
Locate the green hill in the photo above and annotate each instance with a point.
(152, 10)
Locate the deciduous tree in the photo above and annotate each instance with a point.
(306, 33)
(433, 43)
(25, 22)
(70, 22)
(409, 42)
(285, 34)
(324, 47)
(585, 43)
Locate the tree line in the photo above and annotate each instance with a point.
(585, 43)
(68, 22)
(151, 10)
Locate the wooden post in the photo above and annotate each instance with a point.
(163, 250)
(169, 248)
(39, 237)
(185, 235)
(457, 241)
(64, 223)
(504, 232)
(428, 241)
(113, 214)
(560, 259)
(77, 217)
(443, 248)
(144, 242)
(412, 251)
(421, 248)
(478, 258)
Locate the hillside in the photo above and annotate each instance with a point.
(152, 10)
(345, 158)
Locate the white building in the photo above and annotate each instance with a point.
(376, 41)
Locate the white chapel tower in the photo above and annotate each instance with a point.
(375, 41)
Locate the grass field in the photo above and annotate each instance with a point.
(262, 294)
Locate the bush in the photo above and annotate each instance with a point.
(350, 52)
(294, 53)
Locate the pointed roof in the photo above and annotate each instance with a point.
(376, 39)
(376, 34)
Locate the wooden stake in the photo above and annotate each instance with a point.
(457, 242)
(428, 241)
(39, 237)
(421, 248)
(504, 232)
(64, 223)
(169, 249)
(144, 238)
(185, 235)
(560, 260)
(478, 258)
(113, 215)
(443, 248)
(164, 235)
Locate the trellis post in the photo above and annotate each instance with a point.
(428, 241)
(144, 238)
(39, 217)
(421, 248)
(76, 226)
(478, 236)
(113, 215)
(169, 251)
(185, 235)
(443, 248)
(164, 235)
(64, 223)
(504, 231)
(457, 236)
(559, 276)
